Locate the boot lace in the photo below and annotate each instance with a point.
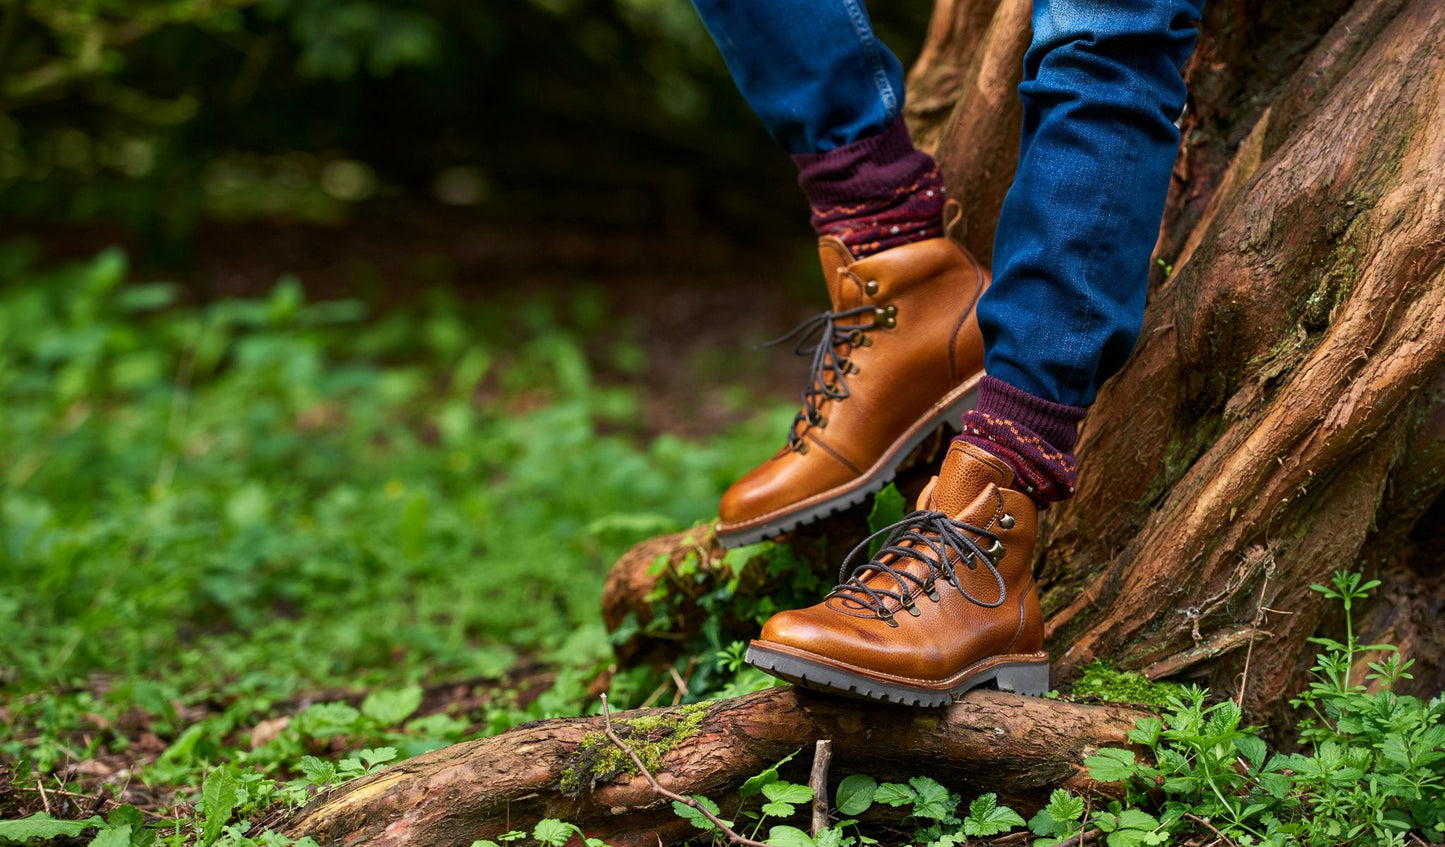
(925, 536)
(829, 367)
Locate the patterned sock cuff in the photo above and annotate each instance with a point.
(866, 170)
(1034, 436)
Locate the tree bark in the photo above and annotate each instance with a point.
(1284, 413)
(1017, 746)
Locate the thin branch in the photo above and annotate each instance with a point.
(1088, 836)
(726, 830)
(1207, 825)
(822, 756)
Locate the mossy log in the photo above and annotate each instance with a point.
(1017, 746)
(1284, 413)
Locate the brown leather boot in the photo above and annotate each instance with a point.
(899, 354)
(948, 603)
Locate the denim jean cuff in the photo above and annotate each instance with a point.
(868, 169)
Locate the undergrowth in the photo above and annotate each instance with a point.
(218, 521)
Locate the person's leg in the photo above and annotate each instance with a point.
(1102, 90)
(898, 354)
(949, 602)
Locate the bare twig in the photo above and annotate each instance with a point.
(726, 830)
(822, 756)
(1088, 836)
(1259, 613)
(44, 798)
(1207, 825)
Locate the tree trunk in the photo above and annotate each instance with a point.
(1017, 746)
(1284, 413)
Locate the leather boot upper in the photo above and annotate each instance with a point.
(910, 339)
(943, 619)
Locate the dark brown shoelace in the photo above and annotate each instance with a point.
(926, 536)
(826, 362)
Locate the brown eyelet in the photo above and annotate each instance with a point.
(887, 617)
(871, 286)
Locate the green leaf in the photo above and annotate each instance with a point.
(829, 837)
(855, 794)
(1252, 748)
(789, 836)
(787, 792)
(318, 771)
(324, 720)
(987, 817)
(1111, 764)
(755, 784)
(41, 825)
(1065, 806)
(695, 817)
(1136, 819)
(219, 794)
(895, 794)
(115, 836)
(933, 800)
(776, 809)
(374, 757)
(390, 708)
(552, 832)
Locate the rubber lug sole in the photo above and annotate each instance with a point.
(1028, 677)
(865, 486)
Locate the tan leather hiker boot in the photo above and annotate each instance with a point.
(948, 603)
(899, 354)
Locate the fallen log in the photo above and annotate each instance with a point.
(566, 768)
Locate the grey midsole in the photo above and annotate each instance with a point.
(949, 416)
(1030, 678)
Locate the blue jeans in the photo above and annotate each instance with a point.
(1102, 88)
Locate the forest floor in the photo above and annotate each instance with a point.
(272, 525)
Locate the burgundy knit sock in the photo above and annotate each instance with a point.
(874, 194)
(1033, 435)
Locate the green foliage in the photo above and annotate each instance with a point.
(1371, 767)
(220, 509)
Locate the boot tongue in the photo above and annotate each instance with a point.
(966, 471)
(843, 290)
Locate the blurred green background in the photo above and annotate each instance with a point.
(156, 116)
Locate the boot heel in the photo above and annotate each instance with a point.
(1031, 679)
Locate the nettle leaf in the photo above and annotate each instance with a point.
(1111, 764)
(324, 720)
(220, 794)
(552, 832)
(895, 794)
(1065, 806)
(697, 818)
(318, 771)
(855, 794)
(789, 836)
(987, 817)
(1252, 748)
(41, 825)
(933, 800)
(390, 708)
